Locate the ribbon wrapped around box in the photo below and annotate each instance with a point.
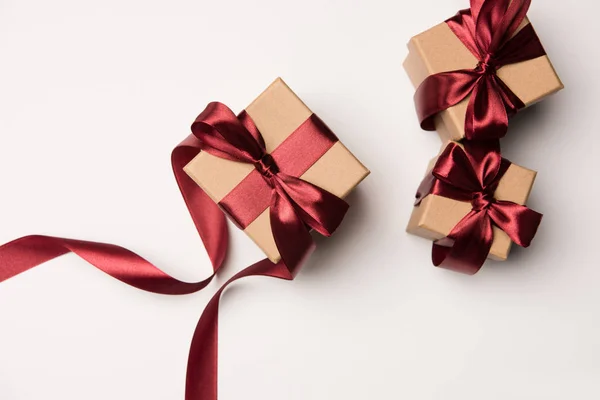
(276, 169)
(477, 69)
(296, 144)
(471, 204)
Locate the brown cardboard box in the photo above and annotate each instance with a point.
(439, 50)
(436, 216)
(277, 113)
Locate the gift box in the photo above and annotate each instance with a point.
(277, 113)
(434, 216)
(440, 50)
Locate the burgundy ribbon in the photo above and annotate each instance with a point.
(472, 174)
(487, 30)
(296, 206)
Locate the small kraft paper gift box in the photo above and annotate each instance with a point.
(434, 216)
(439, 50)
(277, 113)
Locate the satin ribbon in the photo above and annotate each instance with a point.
(472, 175)
(487, 29)
(296, 206)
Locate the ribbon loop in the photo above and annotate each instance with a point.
(222, 134)
(519, 222)
(454, 168)
(511, 19)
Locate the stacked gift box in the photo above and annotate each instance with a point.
(472, 73)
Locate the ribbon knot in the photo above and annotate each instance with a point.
(489, 30)
(482, 200)
(267, 166)
(472, 174)
(487, 66)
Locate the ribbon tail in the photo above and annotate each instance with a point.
(487, 118)
(519, 222)
(202, 371)
(209, 220)
(30, 251)
(441, 91)
(291, 234)
(466, 248)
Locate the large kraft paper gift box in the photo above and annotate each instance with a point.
(277, 113)
(439, 50)
(436, 216)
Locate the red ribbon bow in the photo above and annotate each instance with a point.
(487, 30)
(472, 174)
(295, 204)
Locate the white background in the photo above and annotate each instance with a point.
(93, 97)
